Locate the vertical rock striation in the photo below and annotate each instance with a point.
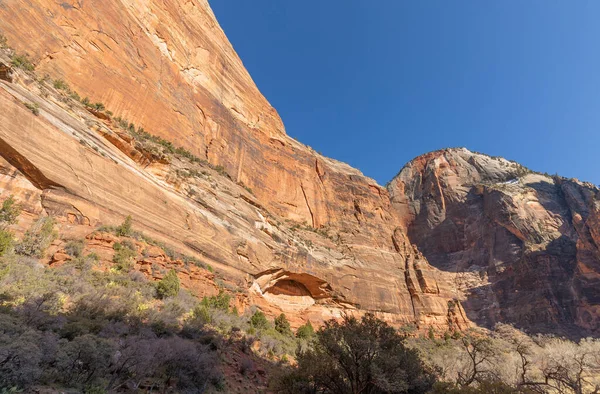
(314, 237)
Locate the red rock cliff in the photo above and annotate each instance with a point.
(315, 237)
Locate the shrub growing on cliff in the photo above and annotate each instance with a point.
(220, 301)
(6, 241)
(124, 254)
(305, 331)
(74, 247)
(34, 108)
(259, 321)
(125, 230)
(357, 356)
(37, 238)
(8, 215)
(9, 212)
(168, 286)
(282, 325)
(60, 85)
(22, 62)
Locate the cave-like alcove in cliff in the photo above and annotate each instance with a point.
(288, 287)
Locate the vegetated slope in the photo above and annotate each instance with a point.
(298, 232)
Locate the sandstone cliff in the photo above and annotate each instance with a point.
(298, 232)
(523, 245)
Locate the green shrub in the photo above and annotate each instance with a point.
(282, 325)
(431, 333)
(74, 247)
(124, 255)
(22, 62)
(37, 238)
(6, 241)
(220, 301)
(85, 262)
(60, 85)
(9, 212)
(3, 42)
(305, 331)
(124, 230)
(259, 321)
(358, 356)
(33, 107)
(202, 314)
(168, 286)
(75, 96)
(93, 256)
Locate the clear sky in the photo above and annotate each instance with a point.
(376, 83)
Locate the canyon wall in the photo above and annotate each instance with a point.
(298, 232)
(523, 245)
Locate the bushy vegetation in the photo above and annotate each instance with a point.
(124, 256)
(125, 229)
(305, 331)
(37, 238)
(259, 321)
(6, 241)
(74, 247)
(33, 107)
(168, 286)
(60, 85)
(82, 329)
(220, 301)
(79, 329)
(9, 213)
(357, 356)
(282, 325)
(22, 61)
(508, 360)
(168, 148)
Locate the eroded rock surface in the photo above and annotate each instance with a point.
(299, 232)
(522, 245)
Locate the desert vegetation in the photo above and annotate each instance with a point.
(81, 327)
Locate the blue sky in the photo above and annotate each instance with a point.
(376, 83)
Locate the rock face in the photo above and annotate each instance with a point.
(301, 233)
(522, 245)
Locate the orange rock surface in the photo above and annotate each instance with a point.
(314, 238)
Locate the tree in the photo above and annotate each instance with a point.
(124, 230)
(358, 356)
(6, 241)
(259, 320)
(9, 212)
(37, 238)
(8, 215)
(220, 301)
(168, 286)
(568, 367)
(305, 331)
(480, 353)
(282, 325)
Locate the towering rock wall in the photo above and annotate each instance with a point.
(523, 245)
(315, 237)
(166, 66)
